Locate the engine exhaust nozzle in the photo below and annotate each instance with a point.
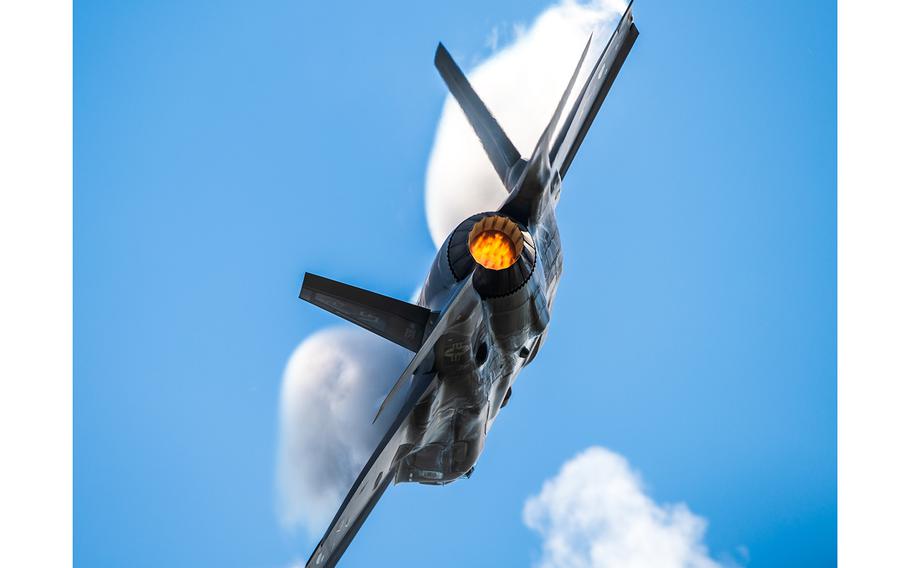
(495, 242)
(497, 249)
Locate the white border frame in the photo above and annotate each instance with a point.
(36, 275)
(873, 282)
(36, 306)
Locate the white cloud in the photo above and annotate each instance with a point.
(333, 384)
(521, 85)
(595, 514)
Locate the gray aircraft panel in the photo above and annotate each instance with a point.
(464, 298)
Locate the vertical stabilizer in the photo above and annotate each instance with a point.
(499, 148)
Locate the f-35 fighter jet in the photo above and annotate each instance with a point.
(484, 310)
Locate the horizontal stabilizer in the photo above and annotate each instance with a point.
(395, 320)
(499, 148)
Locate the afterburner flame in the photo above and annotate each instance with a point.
(495, 242)
(493, 249)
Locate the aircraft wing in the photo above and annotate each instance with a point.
(379, 470)
(369, 486)
(592, 94)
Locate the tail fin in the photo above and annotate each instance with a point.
(499, 148)
(523, 199)
(400, 322)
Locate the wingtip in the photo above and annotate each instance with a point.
(305, 293)
(303, 288)
(441, 53)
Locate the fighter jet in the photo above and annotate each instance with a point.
(484, 310)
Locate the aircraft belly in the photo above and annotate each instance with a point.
(451, 436)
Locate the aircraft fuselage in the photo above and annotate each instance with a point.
(477, 359)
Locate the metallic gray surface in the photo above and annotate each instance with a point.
(473, 329)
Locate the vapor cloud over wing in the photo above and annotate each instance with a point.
(521, 84)
(595, 514)
(333, 384)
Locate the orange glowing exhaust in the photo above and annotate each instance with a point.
(493, 249)
(495, 242)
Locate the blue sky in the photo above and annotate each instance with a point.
(216, 146)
